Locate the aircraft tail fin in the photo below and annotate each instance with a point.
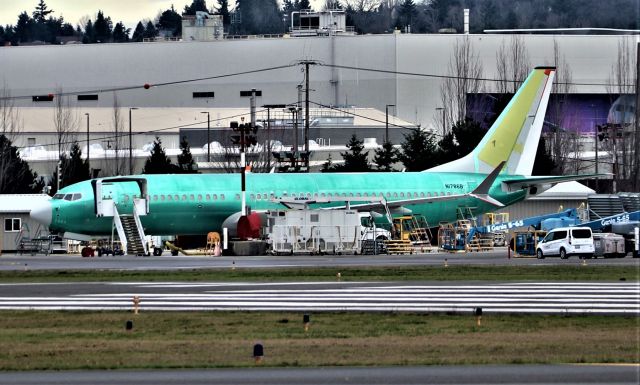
(515, 134)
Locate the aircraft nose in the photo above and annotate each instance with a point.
(41, 213)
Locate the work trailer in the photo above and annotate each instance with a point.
(314, 231)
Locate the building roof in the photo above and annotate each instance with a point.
(172, 119)
(566, 190)
(20, 203)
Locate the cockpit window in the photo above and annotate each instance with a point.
(77, 196)
(58, 196)
(68, 197)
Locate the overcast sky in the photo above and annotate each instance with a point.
(127, 11)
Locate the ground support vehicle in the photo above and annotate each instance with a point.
(609, 245)
(314, 231)
(565, 242)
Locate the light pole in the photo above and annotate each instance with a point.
(208, 136)
(443, 118)
(130, 143)
(88, 161)
(386, 127)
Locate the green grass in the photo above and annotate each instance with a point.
(98, 340)
(409, 273)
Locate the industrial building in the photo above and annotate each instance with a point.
(399, 75)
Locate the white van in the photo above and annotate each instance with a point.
(565, 242)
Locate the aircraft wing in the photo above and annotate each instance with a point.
(515, 184)
(481, 192)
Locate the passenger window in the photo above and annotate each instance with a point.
(184, 197)
(237, 197)
(208, 197)
(58, 196)
(176, 197)
(215, 197)
(192, 197)
(155, 198)
(162, 197)
(169, 197)
(401, 195)
(221, 197)
(199, 197)
(252, 197)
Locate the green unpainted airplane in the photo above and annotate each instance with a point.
(496, 173)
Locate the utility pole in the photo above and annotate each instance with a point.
(88, 161)
(386, 125)
(208, 136)
(297, 115)
(130, 143)
(306, 116)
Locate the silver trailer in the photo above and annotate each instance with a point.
(608, 245)
(314, 231)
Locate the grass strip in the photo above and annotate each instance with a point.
(386, 273)
(59, 340)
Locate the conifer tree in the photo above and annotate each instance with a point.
(158, 162)
(74, 168)
(186, 165)
(386, 156)
(355, 160)
(16, 177)
(418, 151)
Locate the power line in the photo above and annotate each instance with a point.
(148, 85)
(453, 77)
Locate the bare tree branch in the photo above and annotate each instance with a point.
(465, 69)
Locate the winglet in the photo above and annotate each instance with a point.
(486, 184)
(482, 191)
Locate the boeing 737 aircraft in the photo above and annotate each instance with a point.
(497, 173)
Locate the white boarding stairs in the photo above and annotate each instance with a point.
(129, 226)
(130, 232)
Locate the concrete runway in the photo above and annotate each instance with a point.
(167, 262)
(490, 374)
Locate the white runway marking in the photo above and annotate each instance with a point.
(559, 298)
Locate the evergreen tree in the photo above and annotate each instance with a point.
(150, 31)
(461, 140)
(356, 159)
(102, 28)
(170, 20)
(407, 11)
(89, 33)
(41, 12)
(418, 151)
(328, 165)
(223, 10)
(196, 5)
(386, 156)
(158, 162)
(16, 177)
(120, 33)
(186, 165)
(74, 168)
(543, 163)
(259, 17)
(138, 33)
(23, 28)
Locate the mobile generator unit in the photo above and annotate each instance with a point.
(314, 231)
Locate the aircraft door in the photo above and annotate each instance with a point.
(124, 202)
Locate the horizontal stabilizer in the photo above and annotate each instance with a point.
(515, 184)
